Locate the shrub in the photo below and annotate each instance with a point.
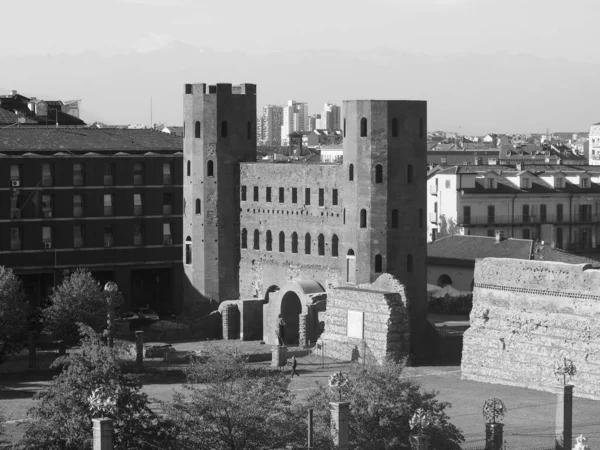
(13, 313)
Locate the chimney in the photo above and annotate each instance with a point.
(499, 235)
(13, 92)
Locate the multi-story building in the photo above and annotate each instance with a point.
(269, 126)
(556, 204)
(295, 118)
(259, 225)
(105, 199)
(330, 117)
(594, 145)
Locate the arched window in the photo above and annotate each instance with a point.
(444, 280)
(351, 172)
(281, 241)
(294, 242)
(420, 217)
(409, 174)
(244, 238)
(307, 244)
(394, 218)
(378, 264)
(363, 127)
(363, 218)
(344, 127)
(409, 263)
(249, 129)
(188, 250)
(224, 128)
(256, 245)
(350, 253)
(334, 246)
(210, 169)
(378, 173)
(394, 127)
(197, 129)
(198, 206)
(421, 127)
(269, 241)
(189, 168)
(321, 244)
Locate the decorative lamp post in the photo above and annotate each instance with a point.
(493, 409)
(340, 411)
(564, 370)
(111, 290)
(420, 420)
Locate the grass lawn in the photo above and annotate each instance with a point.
(529, 422)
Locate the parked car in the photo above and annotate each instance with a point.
(146, 314)
(129, 316)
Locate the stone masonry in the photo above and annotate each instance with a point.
(526, 316)
(384, 304)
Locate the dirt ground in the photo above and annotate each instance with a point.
(529, 422)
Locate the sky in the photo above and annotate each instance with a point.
(550, 29)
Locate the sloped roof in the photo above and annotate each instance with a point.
(546, 253)
(7, 117)
(469, 248)
(52, 139)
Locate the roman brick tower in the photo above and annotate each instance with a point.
(219, 133)
(384, 194)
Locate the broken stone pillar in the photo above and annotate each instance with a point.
(493, 436)
(419, 442)
(302, 331)
(340, 415)
(139, 349)
(279, 356)
(103, 434)
(564, 417)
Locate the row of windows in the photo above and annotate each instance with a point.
(395, 126)
(379, 173)
(294, 242)
(223, 129)
(79, 236)
(79, 178)
(530, 212)
(47, 205)
(294, 196)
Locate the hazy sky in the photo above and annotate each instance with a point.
(546, 28)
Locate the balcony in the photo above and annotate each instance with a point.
(433, 189)
(532, 219)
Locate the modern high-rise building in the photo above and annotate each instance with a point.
(268, 127)
(330, 117)
(295, 118)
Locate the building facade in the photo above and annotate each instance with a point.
(295, 118)
(107, 200)
(330, 117)
(559, 205)
(270, 125)
(594, 145)
(263, 224)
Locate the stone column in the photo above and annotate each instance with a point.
(225, 321)
(32, 352)
(564, 417)
(139, 349)
(302, 331)
(103, 434)
(279, 356)
(340, 412)
(493, 436)
(419, 442)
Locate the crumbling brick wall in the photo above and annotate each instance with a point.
(386, 324)
(529, 314)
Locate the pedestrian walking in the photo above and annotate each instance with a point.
(294, 365)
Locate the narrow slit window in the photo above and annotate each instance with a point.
(378, 174)
(351, 172)
(363, 127)
(334, 246)
(281, 241)
(198, 129)
(378, 264)
(210, 169)
(244, 238)
(307, 244)
(269, 241)
(321, 245)
(256, 245)
(198, 206)
(363, 218)
(294, 242)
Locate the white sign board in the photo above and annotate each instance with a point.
(355, 324)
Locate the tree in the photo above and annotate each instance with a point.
(13, 313)
(79, 299)
(381, 406)
(62, 415)
(242, 407)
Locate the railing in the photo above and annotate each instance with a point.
(530, 219)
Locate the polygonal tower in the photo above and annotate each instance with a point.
(219, 133)
(384, 193)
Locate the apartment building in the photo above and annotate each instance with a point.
(109, 200)
(556, 204)
(295, 118)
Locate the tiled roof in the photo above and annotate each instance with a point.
(51, 139)
(7, 117)
(469, 248)
(546, 253)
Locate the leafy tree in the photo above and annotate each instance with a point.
(62, 415)
(381, 406)
(244, 406)
(448, 227)
(13, 313)
(79, 299)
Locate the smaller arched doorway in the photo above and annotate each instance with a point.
(291, 308)
(444, 280)
(350, 267)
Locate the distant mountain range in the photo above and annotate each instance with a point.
(469, 93)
